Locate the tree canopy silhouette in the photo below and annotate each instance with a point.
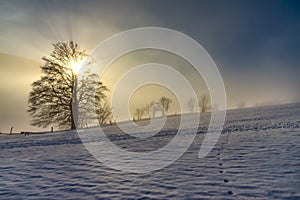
(204, 103)
(191, 104)
(59, 95)
(165, 102)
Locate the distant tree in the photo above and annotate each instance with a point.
(204, 103)
(59, 95)
(165, 102)
(139, 112)
(191, 105)
(104, 113)
(242, 104)
(148, 107)
(215, 107)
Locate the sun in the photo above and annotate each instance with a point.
(76, 66)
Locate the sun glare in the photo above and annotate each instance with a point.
(76, 66)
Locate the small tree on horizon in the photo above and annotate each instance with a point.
(165, 103)
(204, 103)
(139, 113)
(191, 105)
(58, 96)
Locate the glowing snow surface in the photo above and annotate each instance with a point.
(257, 157)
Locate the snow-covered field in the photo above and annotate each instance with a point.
(256, 157)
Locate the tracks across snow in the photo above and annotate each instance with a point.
(245, 164)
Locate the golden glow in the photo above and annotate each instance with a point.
(76, 66)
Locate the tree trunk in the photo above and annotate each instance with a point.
(74, 105)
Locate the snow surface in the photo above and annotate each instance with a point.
(257, 157)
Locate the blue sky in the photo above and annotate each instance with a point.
(232, 31)
(255, 44)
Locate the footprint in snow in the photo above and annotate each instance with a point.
(230, 192)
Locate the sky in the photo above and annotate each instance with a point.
(255, 44)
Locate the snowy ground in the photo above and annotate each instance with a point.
(257, 157)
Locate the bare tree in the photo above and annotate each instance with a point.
(59, 95)
(165, 102)
(242, 104)
(148, 107)
(191, 105)
(104, 113)
(139, 112)
(204, 103)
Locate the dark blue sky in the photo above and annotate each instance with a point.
(232, 31)
(236, 32)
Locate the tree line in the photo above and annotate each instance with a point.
(150, 109)
(145, 112)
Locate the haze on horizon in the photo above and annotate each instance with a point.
(256, 45)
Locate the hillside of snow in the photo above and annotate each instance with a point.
(256, 157)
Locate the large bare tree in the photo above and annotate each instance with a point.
(59, 95)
